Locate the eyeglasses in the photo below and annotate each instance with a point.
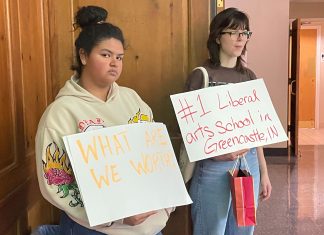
(236, 34)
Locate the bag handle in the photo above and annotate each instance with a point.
(236, 162)
(246, 165)
(235, 165)
(206, 77)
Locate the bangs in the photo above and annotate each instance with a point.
(239, 21)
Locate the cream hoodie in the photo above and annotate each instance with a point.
(76, 110)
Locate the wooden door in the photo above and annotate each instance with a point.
(307, 84)
(294, 86)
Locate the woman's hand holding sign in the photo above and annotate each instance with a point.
(231, 156)
(138, 219)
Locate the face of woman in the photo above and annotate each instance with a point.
(104, 64)
(232, 43)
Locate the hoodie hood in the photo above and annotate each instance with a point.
(72, 88)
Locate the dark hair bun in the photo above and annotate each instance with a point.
(90, 15)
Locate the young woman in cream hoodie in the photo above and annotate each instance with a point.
(91, 99)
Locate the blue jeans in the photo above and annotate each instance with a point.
(212, 212)
(46, 230)
(70, 227)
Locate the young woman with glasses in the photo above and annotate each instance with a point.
(212, 212)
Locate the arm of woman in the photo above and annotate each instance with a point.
(140, 218)
(265, 183)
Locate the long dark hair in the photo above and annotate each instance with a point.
(94, 29)
(230, 18)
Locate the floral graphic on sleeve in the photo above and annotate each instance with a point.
(58, 171)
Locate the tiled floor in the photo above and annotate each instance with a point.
(311, 136)
(296, 206)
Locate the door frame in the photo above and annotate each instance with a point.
(293, 86)
(317, 82)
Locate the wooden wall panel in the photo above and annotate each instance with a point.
(6, 94)
(61, 42)
(33, 66)
(23, 90)
(200, 14)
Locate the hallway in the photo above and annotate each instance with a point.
(296, 206)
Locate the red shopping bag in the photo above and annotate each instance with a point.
(242, 191)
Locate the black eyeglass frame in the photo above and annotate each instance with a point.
(247, 34)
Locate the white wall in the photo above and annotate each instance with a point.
(268, 49)
(307, 9)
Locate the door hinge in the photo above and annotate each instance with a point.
(289, 80)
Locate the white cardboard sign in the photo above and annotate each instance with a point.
(126, 170)
(223, 119)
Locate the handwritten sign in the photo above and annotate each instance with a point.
(126, 170)
(223, 119)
